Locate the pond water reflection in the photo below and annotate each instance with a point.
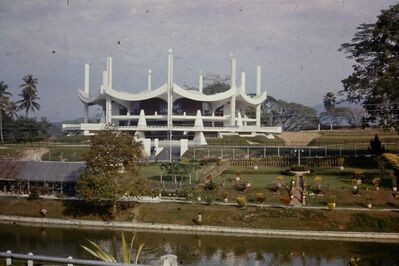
(199, 249)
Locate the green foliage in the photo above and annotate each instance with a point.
(291, 116)
(112, 169)
(25, 129)
(341, 161)
(34, 194)
(375, 76)
(210, 186)
(329, 101)
(29, 95)
(99, 253)
(114, 151)
(376, 147)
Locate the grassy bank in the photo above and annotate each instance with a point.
(251, 217)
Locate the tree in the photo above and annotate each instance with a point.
(329, 101)
(376, 147)
(5, 105)
(30, 85)
(375, 78)
(112, 168)
(291, 116)
(28, 102)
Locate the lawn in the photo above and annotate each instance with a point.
(245, 141)
(174, 213)
(348, 138)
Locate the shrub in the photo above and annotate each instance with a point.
(286, 200)
(341, 161)
(298, 168)
(241, 185)
(260, 197)
(332, 198)
(241, 201)
(376, 181)
(358, 174)
(317, 181)
(208, 200)
(34, 194)
(226, 195)
(210, 185)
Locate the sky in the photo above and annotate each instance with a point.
(295, 41)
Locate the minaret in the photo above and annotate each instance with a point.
(258, 93)
(149, 79)
(87, 92)
(170, 88)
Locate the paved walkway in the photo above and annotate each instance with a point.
(297, 192)
(232, 203)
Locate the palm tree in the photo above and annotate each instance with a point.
(4, 105)
(29, 96)
(29, 85)
(28, 103)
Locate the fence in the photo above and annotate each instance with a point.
(286, 161)
(166, 260)
(247, 152)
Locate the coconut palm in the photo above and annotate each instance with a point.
(29, 85)
(4, 105)
(28, 101)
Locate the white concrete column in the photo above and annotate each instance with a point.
(258, 80)
(86, 113)
(258, 113)
(200, 82)
(233, 110)
(170, 87)
(109, 71)
(108, 109)
(233, 83)
(105, 80)
(243, 81)
(149, 79)
(87, 79)
(239, 119)
(258, 93)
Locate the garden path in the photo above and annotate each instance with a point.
(297, 191)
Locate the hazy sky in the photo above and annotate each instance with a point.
(296, 43)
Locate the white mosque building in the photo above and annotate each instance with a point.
(172, 112)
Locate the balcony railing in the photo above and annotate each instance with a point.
(30, 259)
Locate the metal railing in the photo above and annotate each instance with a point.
(30, 259)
